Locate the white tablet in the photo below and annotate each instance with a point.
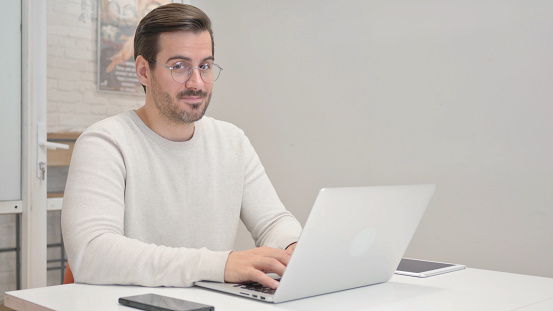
(425, 268)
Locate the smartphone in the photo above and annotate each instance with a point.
(425, 268)
(153, 302)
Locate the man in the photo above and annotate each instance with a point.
(154, 196)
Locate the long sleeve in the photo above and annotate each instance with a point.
(142, 210)
(264, 215)
(94, 227)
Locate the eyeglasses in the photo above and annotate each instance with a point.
(182, 71)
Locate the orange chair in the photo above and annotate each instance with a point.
(68, 278)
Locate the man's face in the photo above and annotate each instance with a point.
(181, 103)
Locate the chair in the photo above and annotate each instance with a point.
(68, 278)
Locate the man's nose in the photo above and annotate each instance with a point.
(195, 81)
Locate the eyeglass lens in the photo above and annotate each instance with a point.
(182, 71)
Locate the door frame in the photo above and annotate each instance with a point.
(34, 102)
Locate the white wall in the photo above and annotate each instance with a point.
(457, 93)
(344, 93)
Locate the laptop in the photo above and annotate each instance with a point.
(353, 237)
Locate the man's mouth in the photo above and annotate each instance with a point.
(193, 97)
(193, 100)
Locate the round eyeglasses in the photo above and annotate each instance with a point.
(182, 71)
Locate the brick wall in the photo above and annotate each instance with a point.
(7, 259)
(73, 100)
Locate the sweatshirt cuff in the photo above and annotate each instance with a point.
(214, 266)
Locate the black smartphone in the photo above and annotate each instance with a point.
(153, 302)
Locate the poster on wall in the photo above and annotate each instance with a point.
(117, 21)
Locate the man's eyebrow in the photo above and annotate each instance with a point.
(188, 59)
(208, 58)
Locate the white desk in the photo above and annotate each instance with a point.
(469, 289)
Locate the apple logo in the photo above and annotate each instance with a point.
(362, 241)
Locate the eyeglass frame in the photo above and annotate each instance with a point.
(190, 72)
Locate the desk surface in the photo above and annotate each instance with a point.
(469, 289)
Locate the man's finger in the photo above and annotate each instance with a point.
(263, 279)
(270, 265)
(278, 254)
(252, 265)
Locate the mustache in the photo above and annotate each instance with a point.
(188, 93)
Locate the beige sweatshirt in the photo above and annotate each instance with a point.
(139, 209)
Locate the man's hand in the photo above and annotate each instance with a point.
(291, 247)
(253, 264)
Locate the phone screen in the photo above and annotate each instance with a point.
(153, 302)
(419, 266)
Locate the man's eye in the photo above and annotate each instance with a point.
(179, 67)
(205, 66)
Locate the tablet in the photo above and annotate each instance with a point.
(425, 268)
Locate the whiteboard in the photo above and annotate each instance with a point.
(10, 102)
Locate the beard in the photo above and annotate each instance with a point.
(169, 109)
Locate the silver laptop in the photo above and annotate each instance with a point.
(353, 237)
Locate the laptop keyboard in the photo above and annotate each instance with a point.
(256, 287)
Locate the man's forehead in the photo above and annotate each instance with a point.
(186, 45)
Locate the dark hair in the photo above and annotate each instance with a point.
(168, 18)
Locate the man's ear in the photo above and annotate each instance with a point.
(143, 72)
